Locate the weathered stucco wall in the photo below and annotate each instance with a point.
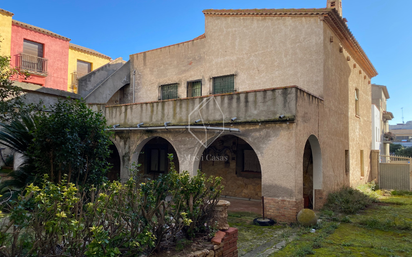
(266, 105)
(262, 52)
(342, 76)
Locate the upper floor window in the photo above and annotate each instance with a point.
(83, 68)
(32, 58)
(224, 84)
(169, 91)
(194, 88)
(33, 48)
(357, 101)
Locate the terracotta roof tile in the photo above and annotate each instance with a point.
(6, 12)
(40, 30)
(88, 50)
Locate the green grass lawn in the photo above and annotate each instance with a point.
(384, 229)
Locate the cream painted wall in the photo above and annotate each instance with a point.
(75, 55)
(342, 76)
(263, 52)
(5, 34)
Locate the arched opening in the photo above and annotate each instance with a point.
(312, 171)
(153, 157)
(233, 159)
(114, 161)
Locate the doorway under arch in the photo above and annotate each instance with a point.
(312, 171)
(233, 159)
(114, 161)
(153, 157)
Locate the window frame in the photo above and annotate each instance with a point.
(169, 85)
(221, 77)
(190, 84)
(77, 67)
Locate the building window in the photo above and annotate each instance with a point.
(362, 166)
(357, 102)
(347, 161)
(169, 91)
(32, 57)
(194, 88)
(83, 68)
(224, 84)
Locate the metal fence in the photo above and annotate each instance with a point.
(32, 63)
(395, 172)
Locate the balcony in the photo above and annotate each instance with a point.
(75, 82)
(269, 105)
(32, 64)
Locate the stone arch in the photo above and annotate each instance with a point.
(151, 149)
(236, 161)
(312, 171)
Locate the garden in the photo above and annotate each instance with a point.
(59, 202)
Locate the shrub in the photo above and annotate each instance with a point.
(401, 192)
(112, 220)
(348, 201)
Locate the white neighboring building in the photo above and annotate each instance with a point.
(380, 95)
(376, 129)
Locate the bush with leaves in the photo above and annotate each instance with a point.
(112, 220)
(71, 139)
(348, 201)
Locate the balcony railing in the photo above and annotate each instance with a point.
(75, 82)
(32, 64)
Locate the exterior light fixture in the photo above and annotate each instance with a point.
(115, 126)
(233, 119)
(140, 124)
(281, 116)
(197, 121)
(167, 123)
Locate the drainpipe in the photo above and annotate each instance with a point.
(134, 73)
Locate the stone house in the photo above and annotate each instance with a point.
(276, 101)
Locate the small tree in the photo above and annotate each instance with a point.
(72, 140)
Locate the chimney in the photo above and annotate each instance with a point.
(335, 4)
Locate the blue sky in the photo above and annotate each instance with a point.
(119, 28)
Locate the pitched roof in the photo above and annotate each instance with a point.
(88, 50)
(330, 16)
(40, 30)
(196, 38)
(2, 11)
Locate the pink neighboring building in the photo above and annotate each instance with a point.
(44, 54)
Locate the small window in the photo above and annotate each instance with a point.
(224, 84)
(357, 102)
(169, 91)
(83, 68)
(194, 88)
(347, 161)
(362, 168)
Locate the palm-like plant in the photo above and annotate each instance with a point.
(18, 136)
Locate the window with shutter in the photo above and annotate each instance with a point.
(83, 68)
(32, 48)
(169, 91)
(32, 57)
(194, 88)
(224, 84)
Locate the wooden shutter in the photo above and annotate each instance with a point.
(32, 48)
(83, 68)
